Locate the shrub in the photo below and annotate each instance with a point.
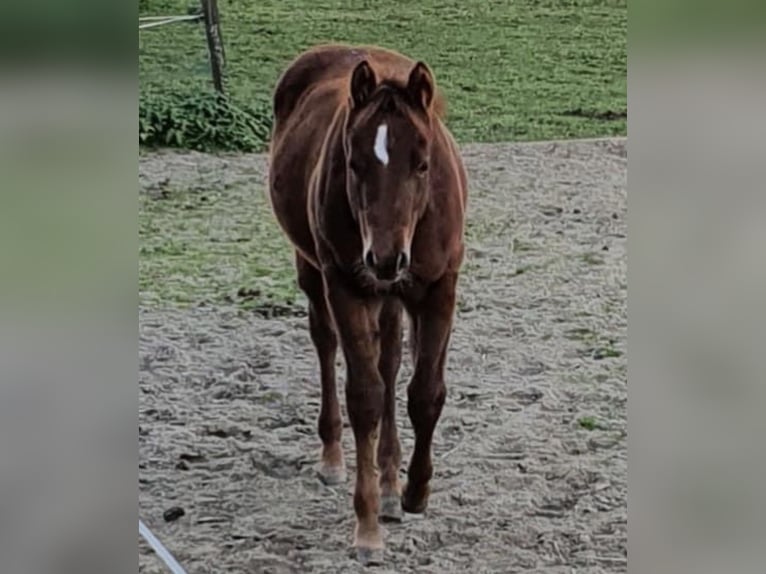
(203, 121)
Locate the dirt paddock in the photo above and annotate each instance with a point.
(530, 452)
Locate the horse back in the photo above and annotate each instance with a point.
(309, 69)
(331, 64)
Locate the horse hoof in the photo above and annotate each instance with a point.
(369, 556)
(414, 503)
(391, 508)
(332, 475)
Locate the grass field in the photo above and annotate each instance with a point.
(214, 242)
(511, 69)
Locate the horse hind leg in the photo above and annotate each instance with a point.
(332, 469)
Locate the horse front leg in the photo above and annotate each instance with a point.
(426, 392)
(389, 448)
(356, 320)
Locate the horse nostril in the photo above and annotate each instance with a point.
(369, 259)
(402, 261)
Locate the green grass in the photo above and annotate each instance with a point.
(512, 70)
(588, 423)
(219, 246)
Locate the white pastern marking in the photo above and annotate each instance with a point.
(381, 144)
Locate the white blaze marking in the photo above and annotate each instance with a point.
(381, 144)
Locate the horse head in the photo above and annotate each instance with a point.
(387, 143)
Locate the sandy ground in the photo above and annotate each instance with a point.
(530, 452)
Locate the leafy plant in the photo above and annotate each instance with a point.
(203, 121)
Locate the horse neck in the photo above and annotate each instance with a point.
(331, 164)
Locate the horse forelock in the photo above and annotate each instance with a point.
(388, 101)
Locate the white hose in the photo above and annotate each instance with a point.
(169, 20)
(161, 551)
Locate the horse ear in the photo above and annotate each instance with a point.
(363, 83)
(420, 85)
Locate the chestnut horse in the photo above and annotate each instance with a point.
(367, 183)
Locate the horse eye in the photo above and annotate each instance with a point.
(422, 168)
